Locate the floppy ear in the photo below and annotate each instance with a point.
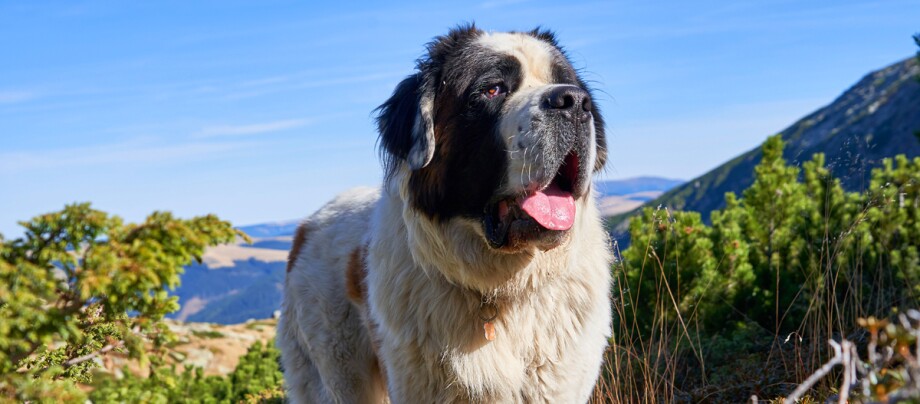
(405, 125)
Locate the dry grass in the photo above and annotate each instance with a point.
(223, 256)
(670, 365)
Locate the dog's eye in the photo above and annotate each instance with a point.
(495, 91)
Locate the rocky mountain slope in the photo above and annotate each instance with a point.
(878, 117)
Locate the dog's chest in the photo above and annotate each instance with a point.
(538, 349)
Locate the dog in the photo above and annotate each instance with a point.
(480, 270)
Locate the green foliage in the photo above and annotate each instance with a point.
(208, 334)
(775, 254)
(917, 41)
(81, 283)
(792, 263)
(257, 378)
(672, 253)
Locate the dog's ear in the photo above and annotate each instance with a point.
(405, 125)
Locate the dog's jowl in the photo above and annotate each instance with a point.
(479, 270)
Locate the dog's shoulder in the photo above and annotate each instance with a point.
(337, 228)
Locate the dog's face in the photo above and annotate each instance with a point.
(497, 128)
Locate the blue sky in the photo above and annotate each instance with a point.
(261, 111)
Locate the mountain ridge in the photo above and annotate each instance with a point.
(873, 119)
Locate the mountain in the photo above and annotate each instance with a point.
(274, 229)
(620, 196)
(233, 283)
(635, 185)
(876, 118)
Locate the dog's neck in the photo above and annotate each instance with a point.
(457, 250)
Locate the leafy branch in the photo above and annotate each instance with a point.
(80, 284)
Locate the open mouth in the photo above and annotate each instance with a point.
(542, 216)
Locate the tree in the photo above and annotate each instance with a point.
(917, 41)
(670, 256)
(81, 283)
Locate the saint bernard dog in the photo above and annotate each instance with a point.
(480, 270)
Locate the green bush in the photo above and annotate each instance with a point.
(256, 378)
(792, 263)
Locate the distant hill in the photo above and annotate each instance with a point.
(619, 196)
(234, 283)
(878, 117)
(635, 185)
(274, 229)
(282, 243)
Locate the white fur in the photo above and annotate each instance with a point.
(326, 350)
(425, 285)
(525, 162)
(535, 56)
(426, 282)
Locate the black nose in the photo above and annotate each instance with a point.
(569, 99)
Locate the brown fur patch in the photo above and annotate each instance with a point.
(356, 271)
(300, 237)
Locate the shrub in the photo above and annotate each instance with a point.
(745, 306)
(257, 378)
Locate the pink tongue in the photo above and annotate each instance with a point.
(552, 208)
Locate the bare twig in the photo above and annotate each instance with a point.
(843, 354)
(849, 370)
(84, 358)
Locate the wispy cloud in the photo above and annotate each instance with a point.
(500, 3)
(138, 151)
(272, 85)
(251, 129)
(12, 97)
(736, 18)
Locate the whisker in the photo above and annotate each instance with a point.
(523, 164)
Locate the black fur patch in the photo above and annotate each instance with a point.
(395, 121)
(470, 161)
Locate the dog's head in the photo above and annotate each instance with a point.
(497, 128)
